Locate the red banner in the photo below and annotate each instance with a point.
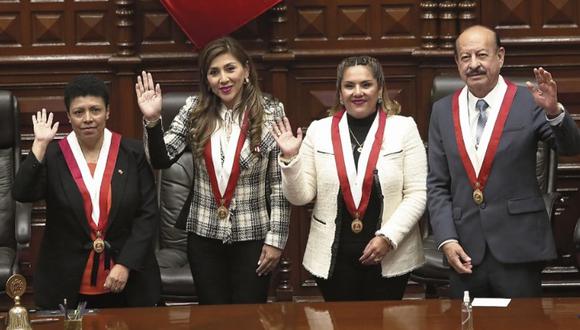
(206, 20)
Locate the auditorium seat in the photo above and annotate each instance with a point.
(577, 243)
(173, 187)
(14, 216)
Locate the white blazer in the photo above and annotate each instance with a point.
(402, 171)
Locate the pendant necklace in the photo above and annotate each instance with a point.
(359, 145)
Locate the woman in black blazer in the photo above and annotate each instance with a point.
(101, 207)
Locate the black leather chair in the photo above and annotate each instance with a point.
(14, 216)
(577, 243)
(434, 274)
(173, 187)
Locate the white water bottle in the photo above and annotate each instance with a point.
(466, 313)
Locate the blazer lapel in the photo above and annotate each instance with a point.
(118, 184)
(73, 195)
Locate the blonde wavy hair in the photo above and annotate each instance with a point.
(205, 115)
(391, 107)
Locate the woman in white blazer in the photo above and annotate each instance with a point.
(365, 169)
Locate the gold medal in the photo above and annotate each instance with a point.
(356, 225)
(222, 212)
(99, 243)
(477, 196)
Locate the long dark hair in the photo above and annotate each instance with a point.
(205, 115)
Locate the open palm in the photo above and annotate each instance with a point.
(544, 91)
(148, 96)
(288, 143)
(44, 130)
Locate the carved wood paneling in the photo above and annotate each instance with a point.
(91, 28)
(344, 24)
(10, 29)
(37, 28)
(296, 47)
(398, 21)
(560, 14)
(533, 22)
(353, 22)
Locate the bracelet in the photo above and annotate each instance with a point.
(388, 240)
(152, 123)
(287, 161)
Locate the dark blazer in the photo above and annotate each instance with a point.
(132, 225)
(513, 220)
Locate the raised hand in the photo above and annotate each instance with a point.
(44, 130)
(148, 96)
(288, 143)
(545, 91)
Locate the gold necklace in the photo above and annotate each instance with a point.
(360, 145)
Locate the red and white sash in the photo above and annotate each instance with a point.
(479, 180)
(356, 186)
(224, 178)
(94, 189)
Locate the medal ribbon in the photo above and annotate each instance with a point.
(479, 181)
(104, 193)
(371, 164)
(235, 174)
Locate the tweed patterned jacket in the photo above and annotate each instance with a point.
(258, 209)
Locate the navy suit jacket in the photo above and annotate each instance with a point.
(131, 228)
(512, 221)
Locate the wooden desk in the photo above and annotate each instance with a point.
(528, 314)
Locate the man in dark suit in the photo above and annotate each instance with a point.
(485, 205)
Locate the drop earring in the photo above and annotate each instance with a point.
(247, 80)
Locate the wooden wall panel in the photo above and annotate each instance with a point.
(296, 47)
(339, 24)
(525, 22)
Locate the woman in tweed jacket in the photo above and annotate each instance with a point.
(238, 219)
(363, 153)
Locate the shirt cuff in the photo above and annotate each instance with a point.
(386, 238)
(447, 241)
(558, 119)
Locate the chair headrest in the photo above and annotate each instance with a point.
(445, 85)
(172, 102)
(8, 117)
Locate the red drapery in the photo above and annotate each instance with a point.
(205, 20)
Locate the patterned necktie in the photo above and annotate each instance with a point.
(481, 107)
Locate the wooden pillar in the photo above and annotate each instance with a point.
(278, 58)
(447, 24)
(279, 23)
(429, 25)
(125, 117)
(467, 14)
